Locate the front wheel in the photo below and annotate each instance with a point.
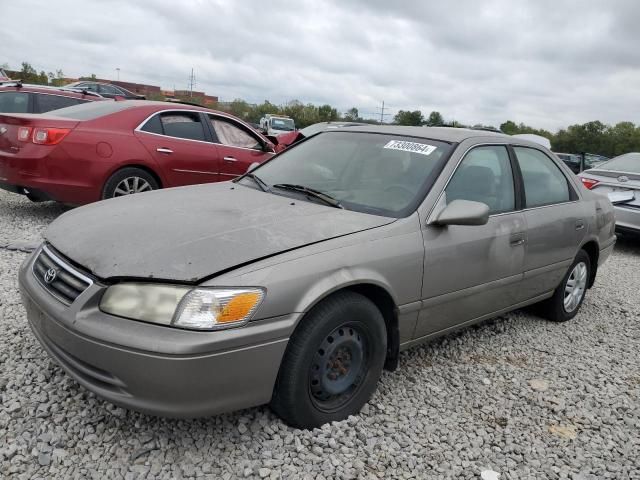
(568, 297)
(128, 181)
(333, 362)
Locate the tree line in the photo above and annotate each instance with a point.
(591, 137)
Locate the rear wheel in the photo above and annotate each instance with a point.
(333, 362)
(128, 181)
(568, 297)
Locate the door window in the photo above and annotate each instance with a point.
(185, 125)
(14, 102)
(485, 176)
(109, 90)
(47, 103)
(544, 183)
(92, 87)
(233, 135)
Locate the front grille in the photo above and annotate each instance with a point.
(58, 277)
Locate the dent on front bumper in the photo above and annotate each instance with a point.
(155, 369)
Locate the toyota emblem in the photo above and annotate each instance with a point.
(623, 178)
(50, 275)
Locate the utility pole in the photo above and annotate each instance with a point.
(118, 70)
(192, 82)
(382, 114)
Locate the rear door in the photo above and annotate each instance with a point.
(556, 222)
(181, 144)
(472, 271)
(238, 146)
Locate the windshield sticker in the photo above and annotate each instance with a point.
(421, 148)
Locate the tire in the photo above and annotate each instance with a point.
(555, 308)
(123, 182)
(309, 392)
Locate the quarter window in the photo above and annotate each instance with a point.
(544, 183)
(14, 102)
(233, 135)
(485, 176)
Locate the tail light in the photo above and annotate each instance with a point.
(24, 134)
(49, 136)
(589, 183)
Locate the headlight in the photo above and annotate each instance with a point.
(185, 307)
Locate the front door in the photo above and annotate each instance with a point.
(473, 271)
(180, 143)
(238, 147)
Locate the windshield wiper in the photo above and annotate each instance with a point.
(261, 183)
(325, 197)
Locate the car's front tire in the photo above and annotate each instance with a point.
(568, 297)
(333, 362)
(128, 181)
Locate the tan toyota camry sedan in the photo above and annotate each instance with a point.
(297, 283)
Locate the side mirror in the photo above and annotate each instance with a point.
(463, 212)
(268, 147)
(272, 138)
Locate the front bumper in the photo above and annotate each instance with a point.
(154, 369)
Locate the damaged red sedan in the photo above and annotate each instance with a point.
(100, 150)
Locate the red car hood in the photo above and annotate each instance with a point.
(289, 138)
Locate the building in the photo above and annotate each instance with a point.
(198, 97)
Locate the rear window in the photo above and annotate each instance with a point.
(629, 162)
(93, 110)
(14, 102)
(47, 103)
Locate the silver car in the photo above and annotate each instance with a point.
(297, 283)
(619, 180)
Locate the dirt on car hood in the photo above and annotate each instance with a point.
(187, 234)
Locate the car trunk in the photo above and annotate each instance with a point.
(11, 123)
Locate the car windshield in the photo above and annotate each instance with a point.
(629, 162)
(373, 173)
(285, 124)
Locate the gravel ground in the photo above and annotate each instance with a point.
(517, 395)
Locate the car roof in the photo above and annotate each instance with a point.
(64, 91)
(447, 134)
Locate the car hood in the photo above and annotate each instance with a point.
(289, 138)
(187, 234)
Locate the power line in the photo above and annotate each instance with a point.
(192, 82)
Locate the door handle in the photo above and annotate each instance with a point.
(516, 239)
(230, 159)
(164, 150)
(579, 225)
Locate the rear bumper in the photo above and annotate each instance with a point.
(627, 218)
(169, 372)
(44, 181)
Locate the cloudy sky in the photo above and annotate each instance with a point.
(545, 63)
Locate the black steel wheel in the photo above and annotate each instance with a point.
(333, 362)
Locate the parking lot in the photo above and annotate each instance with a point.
(516, 395)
